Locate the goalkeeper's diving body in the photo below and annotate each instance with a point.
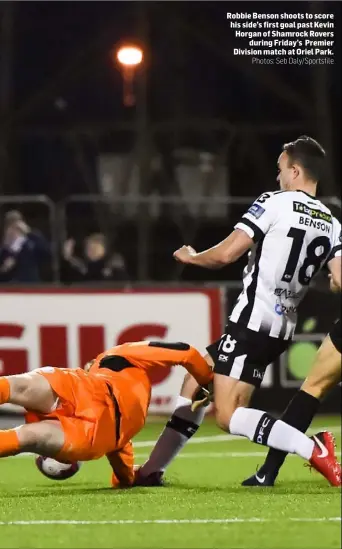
(82, 415)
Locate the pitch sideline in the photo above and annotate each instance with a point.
(211, 438)
(163, 521)
(206, 455)
(336, 429)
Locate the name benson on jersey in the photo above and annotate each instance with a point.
(319, 220)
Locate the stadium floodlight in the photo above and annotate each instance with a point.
(129, 58)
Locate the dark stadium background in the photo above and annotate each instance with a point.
(61, 106)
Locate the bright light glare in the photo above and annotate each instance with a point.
(130, 55)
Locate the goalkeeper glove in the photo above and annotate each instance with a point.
(203, 396)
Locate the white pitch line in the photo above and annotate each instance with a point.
(195, 455)
(197, 440)
(198, 455)
(213, 438)
(226, 438)
(162, 521)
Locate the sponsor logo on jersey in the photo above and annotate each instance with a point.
(256, 210)
(299, 207)
(284, 310)
(223, 358)
(258, 375)
(287, 294)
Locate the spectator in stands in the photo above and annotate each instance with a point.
(23, 251)
(96, 264)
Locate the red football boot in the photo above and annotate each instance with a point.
(323, 458)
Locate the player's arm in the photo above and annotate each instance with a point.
(335, 267)
(197, 366)
(227, 251)
(334, 261)
(202, 372)
(251, 228)
(122, 462)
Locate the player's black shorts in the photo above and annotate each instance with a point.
(336, 336)
(245, 354)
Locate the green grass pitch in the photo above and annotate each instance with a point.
(203, 505)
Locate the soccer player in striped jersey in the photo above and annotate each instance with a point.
(289, 236)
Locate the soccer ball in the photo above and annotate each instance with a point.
(55, 470)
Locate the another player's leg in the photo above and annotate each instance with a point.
(181, 426)
(228, 355)
(262, 428)
(184, 422)
(45, 438)
(235, 378)
(299, 414)
(323, 376)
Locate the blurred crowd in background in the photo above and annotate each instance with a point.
(128, 251)
(23, 251)
(26, 255)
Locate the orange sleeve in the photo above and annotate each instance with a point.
(95, 363)
(148, 355)
(122, 462)
(198, 367)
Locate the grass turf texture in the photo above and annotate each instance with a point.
(204, 486)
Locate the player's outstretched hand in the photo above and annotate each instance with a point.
(184, 254)
(115, 482)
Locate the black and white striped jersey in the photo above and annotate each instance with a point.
(295, 235)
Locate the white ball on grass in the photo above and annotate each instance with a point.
(55, 470)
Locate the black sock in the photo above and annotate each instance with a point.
(299, 414)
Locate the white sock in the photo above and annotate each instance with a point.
(282, 436)
(171, 441)
(244, 422)
(287, 438)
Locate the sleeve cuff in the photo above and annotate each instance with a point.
(253, 231)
